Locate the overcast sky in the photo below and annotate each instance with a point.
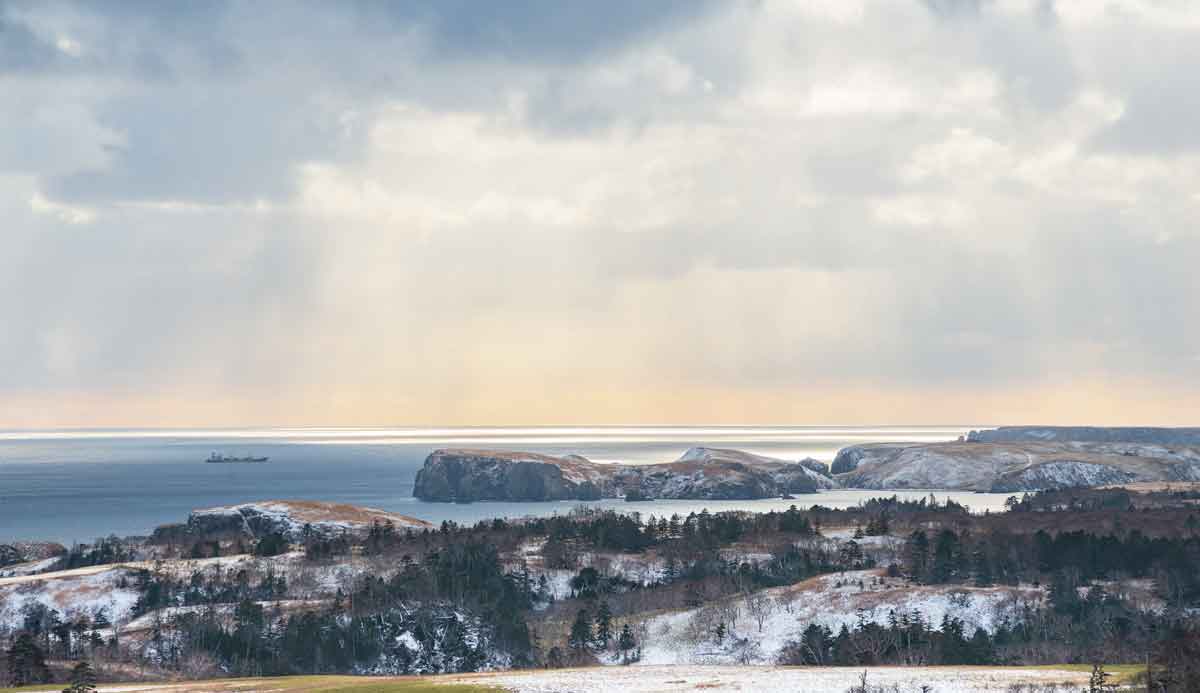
(462, 212)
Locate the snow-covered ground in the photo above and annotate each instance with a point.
(110, 590)
(291, 517)
(112, 587)
(661, 679)
(30, 568)
(686, 637)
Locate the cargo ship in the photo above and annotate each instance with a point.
(222, 459)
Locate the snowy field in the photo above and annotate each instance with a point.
(683, 637)
(83, 592)
(661, 679)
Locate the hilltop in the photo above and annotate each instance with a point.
(700, 473)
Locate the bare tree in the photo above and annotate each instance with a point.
(760, 607)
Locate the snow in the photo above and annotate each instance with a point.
(31, 568)
(682, 637)
(291, 517)
(82, 594)
(1069, 474)
(409, 641)
(657, 679)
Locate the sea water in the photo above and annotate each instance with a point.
(76, 485)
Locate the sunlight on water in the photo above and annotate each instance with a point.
(75, 484)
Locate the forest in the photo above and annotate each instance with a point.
(533, 593)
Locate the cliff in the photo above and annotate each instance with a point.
(1012, 466)
(1088, 434)
(469, 475)
(465, 476)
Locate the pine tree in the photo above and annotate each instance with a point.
(83, 679)
(26, 662)
(945, 557)
(982, 568)
(1098, 681)
(916, 556)
(626, 643)
(603, 625)
(581, 631)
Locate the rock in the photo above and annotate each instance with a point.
(816, 466)
(700, 473)
(1060, 474)
(847, 459)
(1088, 434)
(473, 475)
(1008, 467)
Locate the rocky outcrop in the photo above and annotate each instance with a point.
(1088, 434)
(1008, 467)
(464, 476)
(847, 459)
(701, 473)
(1061, 474)
(819, 467)
(292, 519)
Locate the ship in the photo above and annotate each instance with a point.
(222, 459)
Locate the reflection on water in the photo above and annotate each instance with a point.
(74, 485)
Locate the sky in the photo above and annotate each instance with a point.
(545, 212)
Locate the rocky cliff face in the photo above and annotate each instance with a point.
(464, 476)
(1088, 434)
(1008, 467)
(701, 473)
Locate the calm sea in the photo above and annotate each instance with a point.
(77, 485)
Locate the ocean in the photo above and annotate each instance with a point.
(73, 486)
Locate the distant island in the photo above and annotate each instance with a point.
(1001, 460)
(465, 476)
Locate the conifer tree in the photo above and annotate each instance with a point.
(626, 643)
(581, 631)
(26, 662)
(982, 568)
(916, 556)
(603, 625)
(83, 679)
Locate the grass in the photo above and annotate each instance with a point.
(1121, 673)
(287, 684)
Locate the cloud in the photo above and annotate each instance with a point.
(534, 31)
(465, 212)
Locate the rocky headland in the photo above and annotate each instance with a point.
(466, 476)
(1025, 459)
(1002, 460)
(1088, 434)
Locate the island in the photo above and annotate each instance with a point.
(1002, 460)
(464, 476)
